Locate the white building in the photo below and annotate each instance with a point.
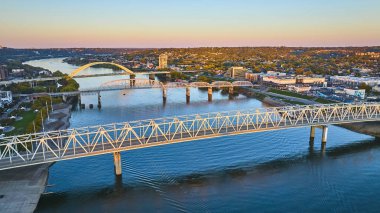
(355, 81)
(360, 93)
(5, 97)
(17, 70)
(298, 89)
(376, 88)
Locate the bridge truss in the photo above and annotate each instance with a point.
(25, 150)
(146, 83)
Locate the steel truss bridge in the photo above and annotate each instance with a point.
(38, 148)
(124, 84)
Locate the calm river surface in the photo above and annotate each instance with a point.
(262, 172)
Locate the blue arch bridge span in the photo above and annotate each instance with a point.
(44, 147)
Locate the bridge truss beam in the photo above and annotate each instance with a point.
(25, 150)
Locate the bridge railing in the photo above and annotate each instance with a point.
(93, 140)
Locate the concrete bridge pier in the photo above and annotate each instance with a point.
(324, 134)
(209, 92)
(164, 94)
(117, 162)
(312, 134)
(64, 98)
(99, 101)
(79, 100)
(132, 80)
(231, 92)
(187, 94)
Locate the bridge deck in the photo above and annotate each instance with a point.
(25, 150)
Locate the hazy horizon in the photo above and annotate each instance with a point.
(190, 47)
(182, 24)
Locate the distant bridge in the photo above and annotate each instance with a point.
(74, 74)
(125, 70)
(44, 147)
(136, 73)
(124, 84)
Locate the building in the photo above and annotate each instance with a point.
(299, 89)
(274, 73)
(255, 77)
(360, 93)
(309, 80)
(370, 54)
(17, 70)
(279, 81)
(236, 72)
(355, 81)
(3, 73)
(163, 61)
(5, 97)
(45, 72)
(376, 88)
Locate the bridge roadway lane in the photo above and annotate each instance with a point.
(105, 148)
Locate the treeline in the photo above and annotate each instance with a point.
(66, 85)
(306, 61)
(42, 106)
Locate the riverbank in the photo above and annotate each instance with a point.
(21, 188)
(368, 128)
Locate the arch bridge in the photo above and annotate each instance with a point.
(80, 69)
(126, 71)
(53, 146)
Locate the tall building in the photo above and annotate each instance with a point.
(3, 73)
(236, 72)
(163, 61)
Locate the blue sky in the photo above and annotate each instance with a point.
(185, 23)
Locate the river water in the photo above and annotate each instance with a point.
(262, 172)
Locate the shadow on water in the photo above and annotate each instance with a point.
(119, 189)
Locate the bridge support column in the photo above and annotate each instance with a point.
(168, 76)
(79, 100)
(187, 94)
(231, 92)
(152, 77)
(133, 80)
(209, 92)
(164, 94)
(324, 134)
(312, 134)
(117, 162)
(99, 101)
(64, 98)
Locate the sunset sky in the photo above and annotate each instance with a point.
(188, 23)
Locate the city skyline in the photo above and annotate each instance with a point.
(148, 24)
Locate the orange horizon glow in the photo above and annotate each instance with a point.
(66, 24)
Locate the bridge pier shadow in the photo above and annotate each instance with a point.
(311, 147)
(323, 149)
(312, 151)
(118, 186)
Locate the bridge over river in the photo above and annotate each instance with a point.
(124, 84)
(44, 147)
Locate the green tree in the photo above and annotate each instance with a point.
(366, 87)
